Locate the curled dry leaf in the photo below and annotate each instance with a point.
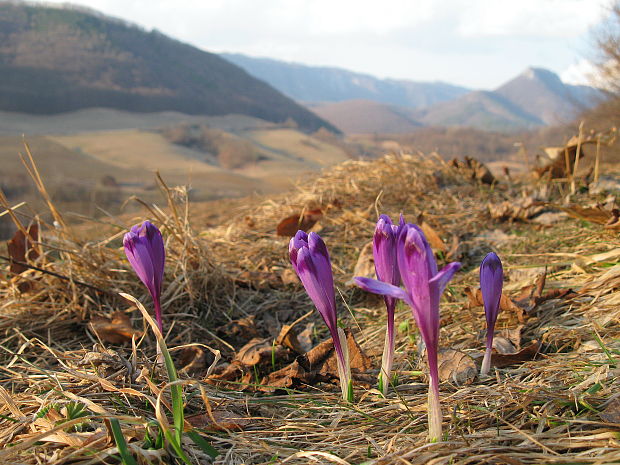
(319, 365)
(456, 367)
(192, 359)
(260, 352)
(298, 341)
(115, 330)
(521, 210)
(239, 331)
(526, 354)
(437, 244)
(473, 169)
(289, 226)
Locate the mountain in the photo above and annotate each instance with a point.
(367, 117)
(322, 84)
(479, 109)
(543, 94)
(59, 59)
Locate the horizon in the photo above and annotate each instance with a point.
(475, 46)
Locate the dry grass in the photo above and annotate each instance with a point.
(541, 411)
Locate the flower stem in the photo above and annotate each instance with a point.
(388, 358)
(434, 407)
(486, 362)
(344, 367)
(158, 315)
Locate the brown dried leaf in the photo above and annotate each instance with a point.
(520, 210)
(21, 248)
(288, 276)
(289, 337)
(240, 331)
(611, 414)
(527, 353)
(260, 352)
(115, 330)
(596, 214)
(192, 359)
(433, 238)
(456, 367)
(289, 226)
(219, 420)
(319, 365)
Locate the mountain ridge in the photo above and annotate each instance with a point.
(56, 59)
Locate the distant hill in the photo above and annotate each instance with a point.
(323, 84)
(479, 109)
(367, 117)
(542, 93)
(59, 59)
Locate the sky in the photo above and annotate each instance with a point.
(475, 43)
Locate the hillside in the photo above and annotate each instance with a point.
(324, 84)
(542, 93)
(480, 109)
(55, 60)
(367, 117)
(258, 382)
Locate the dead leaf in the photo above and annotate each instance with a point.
(611, 414)
(260, 352)
(257, 279)
(289, 226)
(508, 341)
(365, 266)
(437, 244)
(527, 353)
(474, 169)
(239, 331)
(456, 367)
(289, 337)
(596, 214)
(519, 210)
(219, 420)
(318, 365)
(192, 359)
(115, 330)
(21, 250)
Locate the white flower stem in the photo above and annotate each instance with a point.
(344, 368)
(486, 362)
(434, 407)
(387, 360)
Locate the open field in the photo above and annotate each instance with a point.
(228, 280)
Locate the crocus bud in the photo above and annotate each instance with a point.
(386, 267)
(144, 248)
(424, 285)
(311, 262)
(491, 282)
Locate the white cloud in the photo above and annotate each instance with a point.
(478, 43)
(580, 72)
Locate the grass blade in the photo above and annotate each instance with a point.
(123, 450)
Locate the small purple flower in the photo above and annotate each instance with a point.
(144, 248)
(424, 285)
(386, 267)
(491, 281)
(311, 262)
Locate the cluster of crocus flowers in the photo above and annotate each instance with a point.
(145, 251)
(311, 262)
(386, 268)
(424, 285)
(491, 281)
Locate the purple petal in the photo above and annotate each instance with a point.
(315, 273)
(157, 252)
(381, 288)
(412, 263)
(140, 259)
(442, 278)
(297, 242)
(491, 282)
(384, 251)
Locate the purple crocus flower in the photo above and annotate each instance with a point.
(311, 262)
(491, 281)
(386, 267)
(144, 248)
(424, 285)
